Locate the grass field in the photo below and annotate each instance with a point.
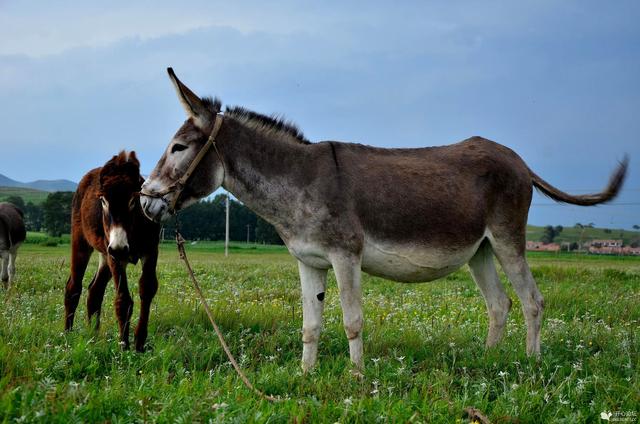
(27, 194)
(425, 360)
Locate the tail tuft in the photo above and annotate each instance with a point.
(609, 193)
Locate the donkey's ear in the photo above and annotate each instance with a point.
(131, 157)
(192, 104)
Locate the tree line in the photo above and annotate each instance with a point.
(52, 216)
(204, 220)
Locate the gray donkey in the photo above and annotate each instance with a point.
(12, 234)
(404, 214)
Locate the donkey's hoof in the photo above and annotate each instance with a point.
(357, 374)
(144, 348)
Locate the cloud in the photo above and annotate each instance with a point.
(54, 28)
(555, 82)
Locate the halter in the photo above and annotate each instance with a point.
(178, 186)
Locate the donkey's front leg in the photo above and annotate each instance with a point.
(347, 270)
(314, 284)
(148, 286)
(96, 291)
(123, 301)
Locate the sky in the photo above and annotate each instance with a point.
(558, 82)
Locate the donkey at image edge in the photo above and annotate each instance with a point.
(409, 215)
(12, 235)
(106, 216)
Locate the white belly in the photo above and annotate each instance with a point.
(394, 261)
(413, 263)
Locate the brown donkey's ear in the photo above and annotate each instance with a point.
(133, 158)
(192, 104)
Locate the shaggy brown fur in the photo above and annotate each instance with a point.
(107, 198)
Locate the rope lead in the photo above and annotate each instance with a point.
(183, 255)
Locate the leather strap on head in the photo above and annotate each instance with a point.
(179, 185)
(211, 141)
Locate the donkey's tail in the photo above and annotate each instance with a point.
(611, 191)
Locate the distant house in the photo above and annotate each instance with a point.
(612, 247)
(627, 250)
(606, 243)
(538, 246)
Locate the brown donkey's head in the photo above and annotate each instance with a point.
(120, 183)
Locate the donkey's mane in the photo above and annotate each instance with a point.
(214, 105)
(267, 123)
(264, 123)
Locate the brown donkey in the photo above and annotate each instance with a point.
(403, 214)
(106, 216)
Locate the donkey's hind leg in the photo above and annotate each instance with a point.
(96, 291)
(511, 255)
(4, 268)
(80, 254)
(498, 303)
(11, 268)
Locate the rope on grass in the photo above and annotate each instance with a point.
(245, 380)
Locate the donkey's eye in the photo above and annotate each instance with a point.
(178, 148)
(132, 203)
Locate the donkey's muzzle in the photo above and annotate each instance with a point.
(154, 208)
(119, 254)
(118, 247)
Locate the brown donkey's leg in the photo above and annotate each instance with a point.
(124, 303)
(148, 286)
(80, 254)
(96, 291)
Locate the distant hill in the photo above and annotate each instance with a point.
(53, 185)
(8, 182)
(27, 194)
(573, 234)
(43, 185)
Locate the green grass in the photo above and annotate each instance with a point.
(46, 240)
(425, 360)
(27, 194)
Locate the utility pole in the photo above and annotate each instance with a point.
(248, 227)
(226, 229)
